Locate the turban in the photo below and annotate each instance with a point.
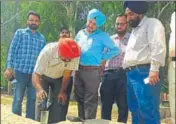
(68, 48)
(98, 16)
(138, 7)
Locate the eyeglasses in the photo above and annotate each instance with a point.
(120, 24)
(64, 32)
(31, 20)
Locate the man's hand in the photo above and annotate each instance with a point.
(8, 73)
(41, 94)
(153, 77)
(62, 97)
(102, 67)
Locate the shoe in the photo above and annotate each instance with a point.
(74, 119)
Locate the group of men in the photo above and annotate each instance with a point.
(130, 65)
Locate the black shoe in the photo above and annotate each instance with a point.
(75, 119)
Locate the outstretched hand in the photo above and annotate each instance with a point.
(41, 94)
(62, 97)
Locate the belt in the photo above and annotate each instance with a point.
(173, 58)
(114, 70)
(136, 66)
(88, 67)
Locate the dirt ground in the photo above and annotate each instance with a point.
(8, 118)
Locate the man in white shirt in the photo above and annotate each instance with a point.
(53, 68)
(145, 54)
(171, 69)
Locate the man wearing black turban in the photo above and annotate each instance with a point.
(137, 7)
(145, 54)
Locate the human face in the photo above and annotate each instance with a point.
(65, 59)
(133, 18)
(91, 25)
(64, 34)
(121, 25)
(33, 22)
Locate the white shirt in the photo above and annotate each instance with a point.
(146, 45)
(172, 36)
(50, 65)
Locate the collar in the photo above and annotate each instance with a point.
(29, 30)
(142, 21)
(124, 37)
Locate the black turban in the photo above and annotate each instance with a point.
(138, 7)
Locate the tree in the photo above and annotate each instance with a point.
(71, 14)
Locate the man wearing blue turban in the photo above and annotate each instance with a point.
(145, 54)
(92, 41)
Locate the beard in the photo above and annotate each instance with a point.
(120, 32)
(134, 23)
(33, 26)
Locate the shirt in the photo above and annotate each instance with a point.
(117, 61)
(172, 36)
(24, 50)
(50, 65)
(93, 45)
(146, 45)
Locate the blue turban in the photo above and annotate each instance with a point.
(138, 7)
(98, 16)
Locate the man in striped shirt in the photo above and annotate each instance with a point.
(53, 68)
(24, 50)
(113, 87)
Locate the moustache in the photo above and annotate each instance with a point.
(33, 26)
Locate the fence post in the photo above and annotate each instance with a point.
(9, 90)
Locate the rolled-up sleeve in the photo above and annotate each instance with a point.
(157, 43)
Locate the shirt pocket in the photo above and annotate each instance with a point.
(132, 41)
(53, 62)
(139, 39)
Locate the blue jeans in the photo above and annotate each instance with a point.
(24, 81)
(143, 99)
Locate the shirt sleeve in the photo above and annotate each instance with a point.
(112, 51)
(77, 37)
(13, 49)
(44, 42)
(156, 35)
(172, 37)
(73, 65)
(42, 61)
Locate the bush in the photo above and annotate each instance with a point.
(4, 52)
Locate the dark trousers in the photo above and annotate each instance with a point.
(86, 84)
(113, 89)
(57, 112)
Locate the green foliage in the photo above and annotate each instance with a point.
(72, 14)
(4, 48)
(111, 10)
